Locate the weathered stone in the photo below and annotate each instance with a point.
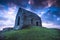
(26, 18)
(7, 29)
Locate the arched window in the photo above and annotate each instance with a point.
(18, 21)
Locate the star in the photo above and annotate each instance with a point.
(30, 2)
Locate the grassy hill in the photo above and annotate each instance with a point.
(34, 33)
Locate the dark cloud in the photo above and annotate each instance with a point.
(58, 3)
(37, 3)
(18, 2)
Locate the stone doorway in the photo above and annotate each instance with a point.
(18, 23)
(36, 23)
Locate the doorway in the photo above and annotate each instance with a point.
(18, 21)
(36, 23)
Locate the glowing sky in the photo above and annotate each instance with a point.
(48, 10)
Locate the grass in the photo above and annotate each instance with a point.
(34, 33)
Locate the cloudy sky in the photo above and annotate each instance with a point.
(48, 10)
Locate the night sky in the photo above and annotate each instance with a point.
(48, 10)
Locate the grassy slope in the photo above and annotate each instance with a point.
(35, 33)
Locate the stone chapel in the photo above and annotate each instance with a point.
(25, 18)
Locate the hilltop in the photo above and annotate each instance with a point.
(34, 33)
